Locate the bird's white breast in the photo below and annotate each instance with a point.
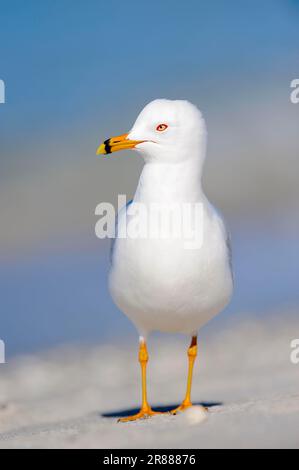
(160, 284)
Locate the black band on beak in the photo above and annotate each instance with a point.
(107, 146)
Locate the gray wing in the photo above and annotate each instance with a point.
(227, 241)
(229, 250)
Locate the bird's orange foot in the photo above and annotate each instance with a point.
(182, 407)
(144, 413)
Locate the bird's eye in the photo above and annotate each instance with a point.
(161, 127)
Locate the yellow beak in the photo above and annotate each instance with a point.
(114, 144)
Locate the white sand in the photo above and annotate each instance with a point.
(58, 399)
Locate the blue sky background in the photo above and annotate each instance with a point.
(69, 63)
(77, 72)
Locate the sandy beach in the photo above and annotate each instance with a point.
(71, 397)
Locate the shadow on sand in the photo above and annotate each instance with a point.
(164, 409)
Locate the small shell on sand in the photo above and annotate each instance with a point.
(194, 415)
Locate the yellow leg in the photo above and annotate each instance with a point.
(145, 410)
(192, 353)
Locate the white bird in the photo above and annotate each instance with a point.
(160, 282)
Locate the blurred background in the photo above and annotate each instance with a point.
(78, 72)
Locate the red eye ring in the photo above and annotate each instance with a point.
(161, 127)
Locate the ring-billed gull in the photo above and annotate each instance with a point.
(161, 282)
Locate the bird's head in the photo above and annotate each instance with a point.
(166, 131)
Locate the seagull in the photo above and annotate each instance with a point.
(160, 281)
